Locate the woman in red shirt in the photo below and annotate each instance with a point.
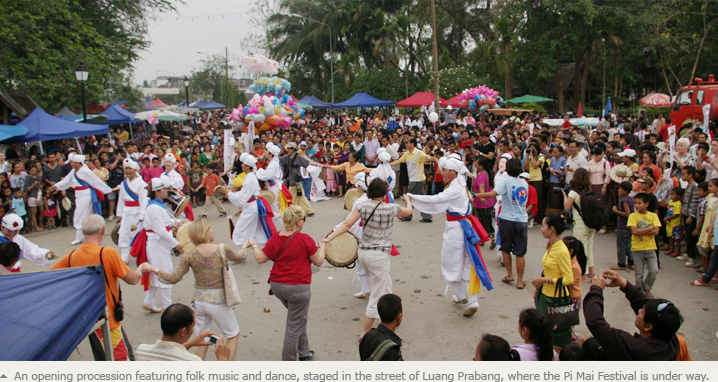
(293, 253)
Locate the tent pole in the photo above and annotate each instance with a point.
(106, 338)
(41, 150)
(132, 136)
(79, 148)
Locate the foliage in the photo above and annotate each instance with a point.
(45, 40)
(386, 84)
(531, 106)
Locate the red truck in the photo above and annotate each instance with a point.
(691, 98)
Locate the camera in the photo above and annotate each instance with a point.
(213, 339)
(566, 188)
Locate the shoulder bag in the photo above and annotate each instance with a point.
(119, 310)
(276, 258)
(231, 290)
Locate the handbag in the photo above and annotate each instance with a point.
(561, 310)
(276, 258)
(231, 290)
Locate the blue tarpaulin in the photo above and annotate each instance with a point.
(45, 127)
(117, 115)
(7, 132)
(314, 102)
(212, 105)
(45, 315)
(362, 100)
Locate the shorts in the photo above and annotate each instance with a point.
(514, 237)
(112, 195)
(33, 202)
(677, 233)
(221, 314)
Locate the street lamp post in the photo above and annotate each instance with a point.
(331, 47)
(81, 75)
(186, 90)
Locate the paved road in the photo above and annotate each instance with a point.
(433, 328)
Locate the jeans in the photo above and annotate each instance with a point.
(307, 186)
(645, 259)
(623, 244)
(712, 266)
(691, 240)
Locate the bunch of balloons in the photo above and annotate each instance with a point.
(481, 97)
(268, 111)
(271, 86)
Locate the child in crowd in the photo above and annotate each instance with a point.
(492, 348)
(644, 226)
(331, 176)
(50, 201)
(438, 178)
(195, 176)
(707, 277)
(700, 217)
(209, 183)
(532, 203)
(535, 330)
(155, 171)
(18, 207)
(690, 207)
(145, 172)
(674, 230)
(705, 239)
(623, 209)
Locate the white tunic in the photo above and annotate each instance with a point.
(384, 171)
(248, 224)
(273, 172)
(159, 242)
(131, 216)
(454, 258)
(83, 198)
(176, 180)
(30, 252)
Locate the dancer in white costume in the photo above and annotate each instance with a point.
(362, 180)
(86, 184)
(273, 176)
(10, 231)
(249, 224)
(158, 224)
(455, 262)
(384, 171)
(131, 204)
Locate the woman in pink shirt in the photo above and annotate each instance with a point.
(484, 182)
(599, 170)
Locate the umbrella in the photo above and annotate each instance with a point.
(163, 115)
(608, 105)
(529, 98)
(620, 173)
(656, 100)
(7, 131)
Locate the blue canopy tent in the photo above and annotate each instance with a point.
(314, 102)
(65, 112)
(117, 115)
(45, 127)
(211, 105)
(47, 314)
(7, 132)
(198, 104)
(362, 100)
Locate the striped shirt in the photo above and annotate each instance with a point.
(164, 351)
(377, 231)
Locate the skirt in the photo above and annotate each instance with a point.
(341, 178)
(485, 216)
(50, 212)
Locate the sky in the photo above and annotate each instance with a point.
(198, 26)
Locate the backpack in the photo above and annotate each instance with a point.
(381, 350)
(593, 210)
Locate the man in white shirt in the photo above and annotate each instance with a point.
(575, 160)
(177, 324)
(371, 146)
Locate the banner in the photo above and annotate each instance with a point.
(228, 149)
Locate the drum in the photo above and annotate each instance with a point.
(66, 204)
(219, 190)
(268, 195)
(350, 197)
(182, 235)
(115, 235)
(342, 250)
(176, 201)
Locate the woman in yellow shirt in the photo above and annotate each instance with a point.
(535, 160)
(556, 266)
(352, 167)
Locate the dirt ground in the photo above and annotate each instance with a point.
(433, 328)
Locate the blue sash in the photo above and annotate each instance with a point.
(262, 212)
(153, 201)
(471, 238)
(129, 192)
(96, 204)
(271, 182)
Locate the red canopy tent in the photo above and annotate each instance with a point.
(454, 101)
(420, 99)
(156, 104)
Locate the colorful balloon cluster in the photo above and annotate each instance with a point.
(271, 86)
(481, 97)
(268, 111)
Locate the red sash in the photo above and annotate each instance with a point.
(132, 203)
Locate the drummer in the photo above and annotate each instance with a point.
(160, 242)
(361, 181)
(374, 251)
(384, 171)
(176, 182)
(273, 176)
(131, 205)
(256, 219)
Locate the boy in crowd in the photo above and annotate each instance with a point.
(690, 208)
(644, 226)
(195, 176)
(18, 207)
(623, 210)
(209, 183)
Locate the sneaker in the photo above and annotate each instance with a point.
(531, 223)
(471, 310)
(151, 309)
(202, 216)
(308, 356)
(361, 294)
(602, 231)
(223, 214)
(111, 218)
(691, 263)
(683, 257)
(464, 301)
(76, 242)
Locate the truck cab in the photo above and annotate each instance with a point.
(691, 98)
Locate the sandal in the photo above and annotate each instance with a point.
(521, 286)
(699, 282)
(506, 280)
(493, 244)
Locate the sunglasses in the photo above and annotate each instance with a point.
(661, 307)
